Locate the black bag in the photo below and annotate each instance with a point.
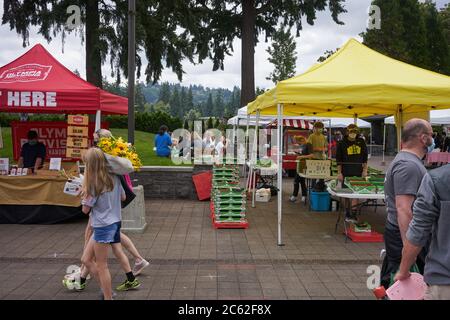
(130, 195)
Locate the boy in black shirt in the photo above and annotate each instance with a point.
(306, 152)
(351, 158)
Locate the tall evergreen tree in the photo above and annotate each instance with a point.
(175, 104)
(209, 107)
(444, 18)
(246, 19)
(164, 93)
(139, 98)
(403, 33)
(190, 99)
(209, 124)
(183, 103)
(282, 55)
(104, 30)
(436, 42)
(219, 106)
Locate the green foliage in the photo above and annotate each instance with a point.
(147, 122)
(209, 124)
(411, 32)
(282, 55)
(217, 123)
(326, 55)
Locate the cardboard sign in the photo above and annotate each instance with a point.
(78, 120)
(77, 131)
(75, 153)
(55, 164)
(318, 168)
(77, 142)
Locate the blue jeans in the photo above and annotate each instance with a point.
(108, 234)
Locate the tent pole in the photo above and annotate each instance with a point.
(280, 170)
(383, 163)
(98, 120)
(246, 145)
(254, 154)
(329, 139)
(399, 127)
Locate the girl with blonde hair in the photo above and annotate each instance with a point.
(102, 194)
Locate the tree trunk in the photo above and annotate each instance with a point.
(93, 58)
(248, 52)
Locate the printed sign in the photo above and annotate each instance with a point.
(77, 131)
(55, 164)
(75, 153)
(77, 142)
(52, 134)
(78, 120)
(25, 73)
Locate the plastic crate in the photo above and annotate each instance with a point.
(320, 201)
(372, 236)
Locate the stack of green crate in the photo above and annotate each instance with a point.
(227, 197)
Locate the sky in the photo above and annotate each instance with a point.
(312, 43)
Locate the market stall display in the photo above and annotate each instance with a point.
(228, 199)
(38, 198)
(357, 232)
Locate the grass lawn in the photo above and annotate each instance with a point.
(144, 143)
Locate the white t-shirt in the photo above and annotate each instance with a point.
(219, 148)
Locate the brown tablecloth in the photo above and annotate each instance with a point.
(45, 188)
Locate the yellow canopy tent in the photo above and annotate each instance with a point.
(354, 82)
(357, 81)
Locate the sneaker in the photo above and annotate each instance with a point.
(72, 284)
(128, 285)
(292, 199)
(138, 267)
(304, 199)
(351, 218)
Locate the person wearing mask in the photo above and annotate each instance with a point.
(351, 158)
(430, 222)
(163, 142)
(305, 152)
(33, 153)
(318, 142)
(403, 179)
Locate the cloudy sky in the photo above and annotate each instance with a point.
(312, 43)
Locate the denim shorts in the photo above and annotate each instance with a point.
(108, 234)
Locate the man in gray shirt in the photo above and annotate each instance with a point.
(403, 179)
(431, 219)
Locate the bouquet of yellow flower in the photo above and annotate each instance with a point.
(119, 148)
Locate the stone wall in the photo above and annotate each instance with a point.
(168, 182)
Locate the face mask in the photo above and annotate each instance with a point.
(352, 135)
(430, 148)
(32, 142)
(319, 131)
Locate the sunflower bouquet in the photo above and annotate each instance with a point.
(119, 148)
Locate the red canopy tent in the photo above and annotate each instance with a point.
(37, 83)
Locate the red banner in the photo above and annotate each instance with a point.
(53, 134)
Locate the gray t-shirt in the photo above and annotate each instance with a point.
(106, 208)
(403, 177)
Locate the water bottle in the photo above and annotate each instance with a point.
(333, 205)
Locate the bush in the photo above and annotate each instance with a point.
(6, 118)
(147, 122)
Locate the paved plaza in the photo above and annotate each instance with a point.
(192, 260)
